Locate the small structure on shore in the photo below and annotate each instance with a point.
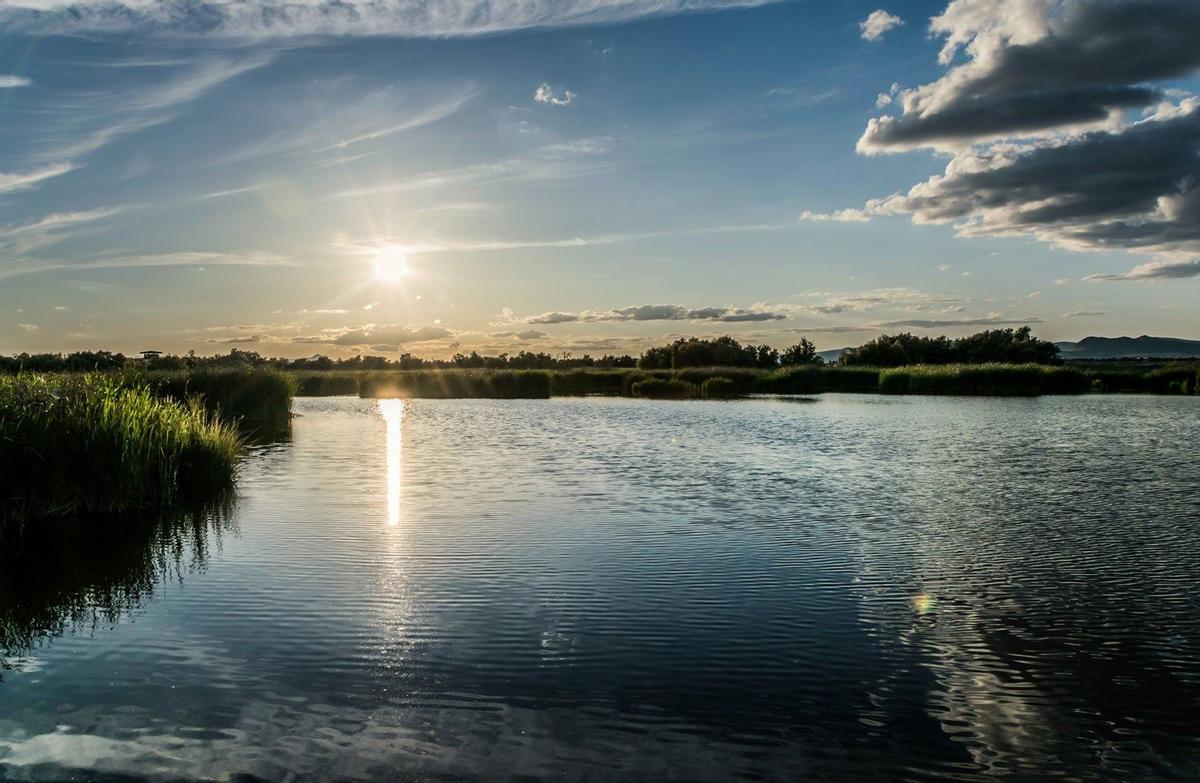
(148, 355)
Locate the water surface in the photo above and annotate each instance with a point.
(856, 588)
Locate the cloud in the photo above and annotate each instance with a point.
(385, 335)
(840, 216)
(17, 240)
(989, 320)
(1155, 270)
(85, 123)
(668, 312)
(250, 338)
(544, 94)
(24, 266)
(288, 18)
(528, 334)
(1083, 314)
(28, 327)
(14, 181)
(877, 23)
(1135, 188)
(552, 162)
(8, 82)
(1035, 66)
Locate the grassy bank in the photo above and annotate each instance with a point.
(992, 380)
(100, 444)
(258, 400)
(964, 379)
(454, 384)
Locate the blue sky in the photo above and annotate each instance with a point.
(581, 176)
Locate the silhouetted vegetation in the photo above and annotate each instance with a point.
(982, 379)
(243, 385)
(498, 384)
(718, 388)
(701, 352)
(1009, 346)
(665, 389)
(94, 443)
(258, 400)
(803, 352)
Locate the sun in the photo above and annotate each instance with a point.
(391, 264)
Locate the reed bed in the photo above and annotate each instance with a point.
(258, 400)
(980, 379)
(97, 443)
(454, 384)
(995, 380)
(665, 389)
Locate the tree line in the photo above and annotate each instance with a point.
(1017, 346)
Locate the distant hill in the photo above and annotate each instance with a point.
(832, 355)
(1123, 347)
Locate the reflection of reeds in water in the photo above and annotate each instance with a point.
(61, 577)
(91, 443)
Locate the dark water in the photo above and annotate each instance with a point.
(857, 588)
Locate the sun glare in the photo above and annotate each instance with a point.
(391, 264)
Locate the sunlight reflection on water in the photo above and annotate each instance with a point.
(392, 412)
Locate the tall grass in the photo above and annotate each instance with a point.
(981, 379)
(257, 399)
(998, 380)
(95, 443)
(665, 389)
(452, 384)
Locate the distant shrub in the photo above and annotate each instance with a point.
(793, 380)
(255, 398)
(578, 383)
(997, 380)
(665, 389)
(454, 384)
(718, 388)
(850, 379)
(326, 384)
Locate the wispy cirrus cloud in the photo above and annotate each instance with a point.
(942, 323)
(290, 19)
(23, 180)
(8, 81)
(552, 162)
(650, 313)
(81, 124)
(20, 239)
(26, 266)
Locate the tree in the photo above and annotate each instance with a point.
(803, 352)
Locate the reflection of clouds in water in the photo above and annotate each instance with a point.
(310, 740)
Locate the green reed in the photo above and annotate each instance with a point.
(99, 444)
(996, 380)
(259, 400)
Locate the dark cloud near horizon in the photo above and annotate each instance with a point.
(1161, 270)
(1095, 58)
(1135, 189)
(384, 338)
(917, 323)
(658, 313)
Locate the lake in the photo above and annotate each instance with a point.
(843, 588)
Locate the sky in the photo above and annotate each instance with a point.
(592, 176)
